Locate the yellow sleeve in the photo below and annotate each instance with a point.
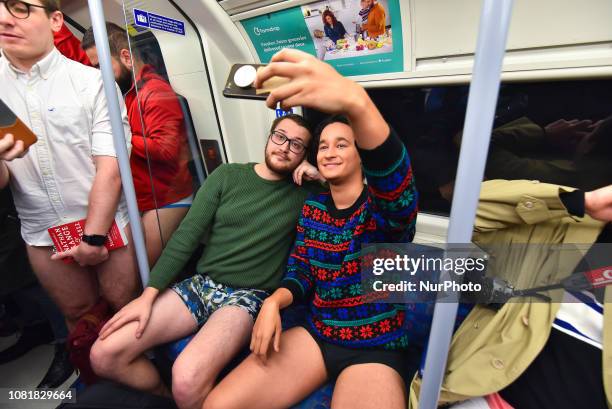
(504, 203)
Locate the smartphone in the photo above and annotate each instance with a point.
(9, 123)
(240, 83)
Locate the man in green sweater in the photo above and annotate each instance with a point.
(246, 214)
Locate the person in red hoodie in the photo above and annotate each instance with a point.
(159, 142)
(70, 46)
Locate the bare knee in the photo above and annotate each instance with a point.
(190, 385)
(106, 358)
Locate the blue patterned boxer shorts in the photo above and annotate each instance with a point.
(203, 296)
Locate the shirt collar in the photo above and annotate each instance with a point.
(46, 65)
(43, 67)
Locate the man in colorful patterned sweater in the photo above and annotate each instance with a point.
(348, 337)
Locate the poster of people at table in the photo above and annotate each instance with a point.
(357, 37)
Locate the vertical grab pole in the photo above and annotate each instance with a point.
(98, 22)
(482, 100)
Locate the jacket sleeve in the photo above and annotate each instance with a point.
(298, 278)
(391, 186)
(163, 126)
(70, 46)
(505, 203)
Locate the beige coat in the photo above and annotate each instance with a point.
(491, 349)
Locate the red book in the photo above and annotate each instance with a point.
(67, 236)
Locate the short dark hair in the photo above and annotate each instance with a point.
(51, 5)
(300, 121)
(117, 39)
(322, 125)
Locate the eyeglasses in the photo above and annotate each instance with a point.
(20, 9)
(280, 138)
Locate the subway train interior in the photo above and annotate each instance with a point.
(551, 123)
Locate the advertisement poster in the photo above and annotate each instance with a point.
(357, 37)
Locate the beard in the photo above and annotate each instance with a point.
(282, 169)
(125, 80)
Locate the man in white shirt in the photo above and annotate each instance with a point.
(71, 172)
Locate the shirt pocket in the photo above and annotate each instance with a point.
(68, 125)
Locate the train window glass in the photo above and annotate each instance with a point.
(166, 162)
(553, 132)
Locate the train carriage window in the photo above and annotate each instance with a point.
(164, 97)
(556, 132)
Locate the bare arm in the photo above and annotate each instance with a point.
(104, 195)
(281, 298)
(598, 203)
(268, 326)
(318, 85)
(103, 199)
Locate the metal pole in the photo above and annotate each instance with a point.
(98, 22)
(482, 101)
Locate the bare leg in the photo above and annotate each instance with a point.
(366, 386)
(287, 378)
(118, 276)
(73, 288)
(169, 219)
(120, 356)
(197, 367)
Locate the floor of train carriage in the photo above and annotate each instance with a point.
(25, 373)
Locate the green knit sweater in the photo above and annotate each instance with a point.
(247, 225)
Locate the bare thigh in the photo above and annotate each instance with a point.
(118, 276)
(287, 378)
(73, 288)
(170, 320)
(366, 386)
(196, 369)
(169, 219)
(224, 334)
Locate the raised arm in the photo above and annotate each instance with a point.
(318, 85)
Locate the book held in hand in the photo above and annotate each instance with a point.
(67, 236)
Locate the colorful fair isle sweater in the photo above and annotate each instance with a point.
(324, 265)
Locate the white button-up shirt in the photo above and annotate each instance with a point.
(63, 103)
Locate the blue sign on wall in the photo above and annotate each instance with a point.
(155, 21)
(280, 112)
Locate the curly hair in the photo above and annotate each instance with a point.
(329, 13)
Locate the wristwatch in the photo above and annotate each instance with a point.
(94, 239)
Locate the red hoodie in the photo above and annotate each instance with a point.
(70, 46)
(166, 142)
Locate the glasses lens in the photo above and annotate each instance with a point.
(278, 138)
(18, 8)
(296, 147)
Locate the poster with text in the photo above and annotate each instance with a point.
(357, 37)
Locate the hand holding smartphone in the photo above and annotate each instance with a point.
(10, 124)
(241, 79)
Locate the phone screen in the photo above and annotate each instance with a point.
(10, 123)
